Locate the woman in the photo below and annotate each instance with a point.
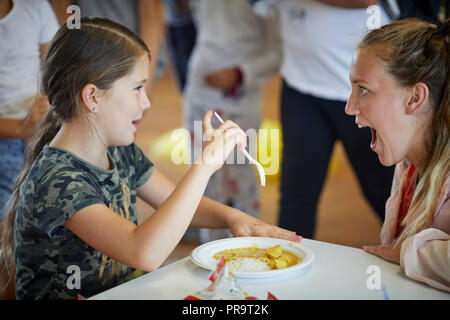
(400, 90)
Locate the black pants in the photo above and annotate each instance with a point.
(311, 127)
(181, 41)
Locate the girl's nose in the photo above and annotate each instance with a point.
(146, 103)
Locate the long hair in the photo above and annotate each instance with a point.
(99, 52)
(416, 51)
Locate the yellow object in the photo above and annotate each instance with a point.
(270, 148)
(174, 146)
(333, 165)
(275, 257)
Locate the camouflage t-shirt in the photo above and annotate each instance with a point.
(48, 256)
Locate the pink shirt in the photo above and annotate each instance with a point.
(425, 256)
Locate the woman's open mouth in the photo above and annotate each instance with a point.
(373, 143)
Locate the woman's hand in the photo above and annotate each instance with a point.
(244, 225)
(220, 142)
(387, 252)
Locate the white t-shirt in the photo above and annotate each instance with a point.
(229, 34)
(318, 44)
(29, 24)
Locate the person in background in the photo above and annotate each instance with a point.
(26, 28)
(144, 17)
(318, 39)
(427, 10)
(181, 36)
(401, 92)
(236, 52)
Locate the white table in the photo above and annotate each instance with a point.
(338, 272)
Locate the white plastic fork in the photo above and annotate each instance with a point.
(262, 175)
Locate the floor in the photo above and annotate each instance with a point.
(344, 216)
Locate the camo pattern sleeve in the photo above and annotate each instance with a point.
(51, 261)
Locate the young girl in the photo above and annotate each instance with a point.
(401, 91)
(74, 205)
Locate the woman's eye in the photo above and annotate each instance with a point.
(139, 88)
(363, 90)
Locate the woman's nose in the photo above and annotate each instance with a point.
(351, 107)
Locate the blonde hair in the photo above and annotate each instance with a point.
(416, 51)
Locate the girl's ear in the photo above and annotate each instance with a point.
(89, 95)
(418, 97)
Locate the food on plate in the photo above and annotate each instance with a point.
(254, 259)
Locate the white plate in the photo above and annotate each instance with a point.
(203, 255)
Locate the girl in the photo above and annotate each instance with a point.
(400, 90)
(74, 205)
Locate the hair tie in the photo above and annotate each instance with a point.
(443, 28)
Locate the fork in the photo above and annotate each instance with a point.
(262, 175)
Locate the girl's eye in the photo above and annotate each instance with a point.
(139, 88)
(363, 90)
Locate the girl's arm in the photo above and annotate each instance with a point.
(147, 246)
(210, 213)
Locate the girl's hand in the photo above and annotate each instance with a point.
(244, 225)
(220, 142)
(387, 252)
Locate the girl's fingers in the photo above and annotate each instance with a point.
(237, 136)
(207, 121)
(226, 125)
(277, 232)
(207, 128)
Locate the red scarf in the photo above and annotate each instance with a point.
(408, 193)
